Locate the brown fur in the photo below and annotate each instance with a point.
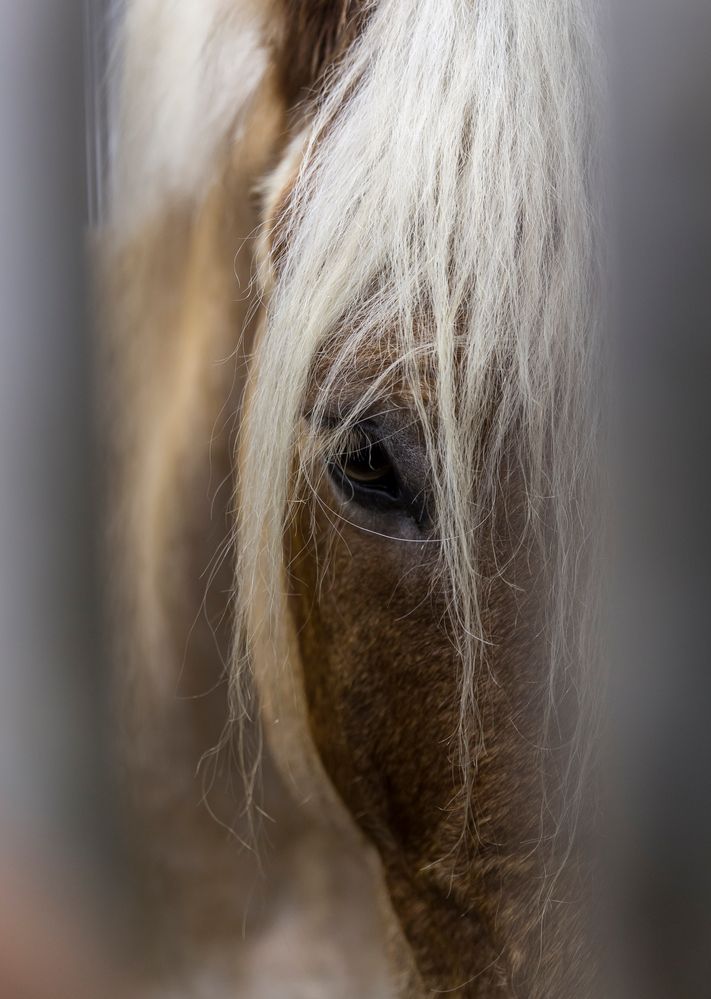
(312, 35)
(173, 337)
(380, 675)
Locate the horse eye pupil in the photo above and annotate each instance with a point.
(368, 463)
(364, 465)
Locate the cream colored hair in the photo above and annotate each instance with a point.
(441, 214)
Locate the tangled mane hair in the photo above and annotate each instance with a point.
(442, 217)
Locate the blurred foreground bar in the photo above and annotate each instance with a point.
(55, 840)
(661, 89)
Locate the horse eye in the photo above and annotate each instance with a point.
(364, 469)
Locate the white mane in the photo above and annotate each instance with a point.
(442, 210)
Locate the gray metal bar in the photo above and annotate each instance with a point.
(53, 817)
(662, 700)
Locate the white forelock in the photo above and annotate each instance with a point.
(443, 205)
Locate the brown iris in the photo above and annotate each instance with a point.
(363, 466)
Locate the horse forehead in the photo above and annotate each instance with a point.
(376, 359)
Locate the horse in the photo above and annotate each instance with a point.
(349, 279)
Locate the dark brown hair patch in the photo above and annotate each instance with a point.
(315, 34)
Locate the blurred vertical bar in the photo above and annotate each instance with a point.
(661, 88)
(101, 49)
(53, 764)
